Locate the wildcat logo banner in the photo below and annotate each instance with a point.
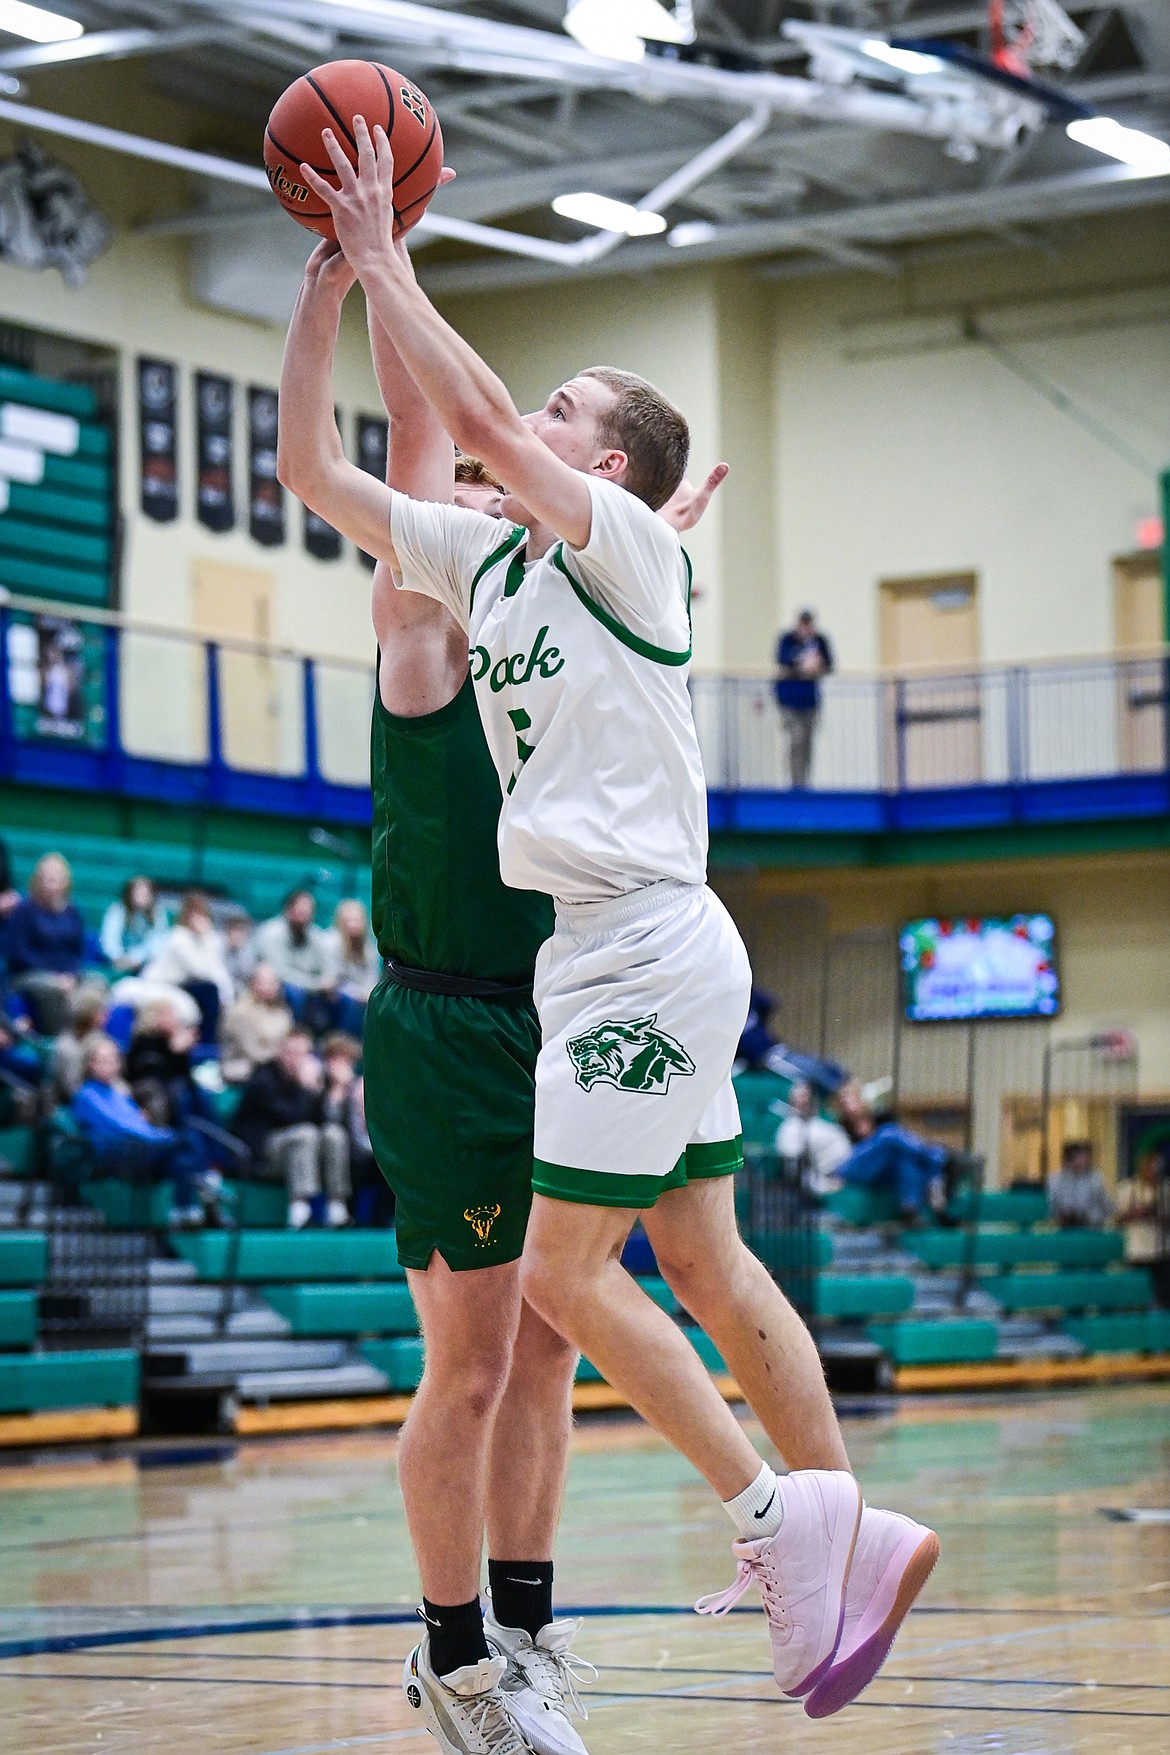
(632, 1054)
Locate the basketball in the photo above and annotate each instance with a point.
(330, 97)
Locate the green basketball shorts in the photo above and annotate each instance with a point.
(450, 1090)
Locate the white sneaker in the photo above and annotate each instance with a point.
(299, 1214)
(541, 1682)
(892, 1561)
(336, 1214)
(801, 1573)
(465, 1712)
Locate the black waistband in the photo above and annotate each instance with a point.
(454, 986)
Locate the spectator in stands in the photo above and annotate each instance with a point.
(158, 1065)
(125, 1141)
(46, 944)
(357, 967)
(811, 1147)
(134, 927)
(1077, 1195)
(20, 1073)
(803, 657)
(89, 1006)
(1139, 1209)
(300, 953)
(254, 1026)
(373, 1202)
(191, 958)
(239, 953)
(920, 1173)
(282, 1120)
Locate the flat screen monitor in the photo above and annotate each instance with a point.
(983, 966)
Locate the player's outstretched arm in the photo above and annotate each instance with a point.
(310, 460)
(423, 647)
(688, 503)
(469, 399)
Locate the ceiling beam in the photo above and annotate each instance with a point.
(106, 45)
(1110, 187)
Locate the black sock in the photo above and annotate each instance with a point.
(454, 1635)
(522, 1593)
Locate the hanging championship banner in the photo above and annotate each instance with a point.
(157, 440)
(265, 494)
(214, 497)
(372, 436)
(321, 539)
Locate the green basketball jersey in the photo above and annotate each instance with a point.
(439, 901)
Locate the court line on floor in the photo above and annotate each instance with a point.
(44, 1644)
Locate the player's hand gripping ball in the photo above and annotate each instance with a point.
(330, 97)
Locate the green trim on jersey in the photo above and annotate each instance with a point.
(658, 654)
(603, 1188)
(518, 535)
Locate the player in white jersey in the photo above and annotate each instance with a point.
(580, 647)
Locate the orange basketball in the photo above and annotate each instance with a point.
(330, 97)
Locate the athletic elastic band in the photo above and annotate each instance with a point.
(453, 986)
(655, 898)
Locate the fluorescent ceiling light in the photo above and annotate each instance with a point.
(619, 29)
(36, 25)
(1129, 145)
(692, 231)
(905, 60)
(609, 216)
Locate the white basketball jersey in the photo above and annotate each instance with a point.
(580, 663)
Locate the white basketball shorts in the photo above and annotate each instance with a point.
(641, 1001)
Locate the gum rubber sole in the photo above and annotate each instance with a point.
(845, 1681)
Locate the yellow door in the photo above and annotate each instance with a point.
(934, 622)
(1138, 630)
(231, 602)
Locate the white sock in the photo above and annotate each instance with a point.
(759, 1510)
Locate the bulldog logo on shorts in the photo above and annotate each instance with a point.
(481, 1220)
(633, 1055)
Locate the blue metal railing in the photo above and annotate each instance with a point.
(157, 713)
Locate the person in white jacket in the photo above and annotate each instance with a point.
(816, 1146)
(192, 958)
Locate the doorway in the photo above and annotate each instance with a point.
(937, 720)
(236, 603)
(1138, 632)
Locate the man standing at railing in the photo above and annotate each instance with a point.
(803, 657)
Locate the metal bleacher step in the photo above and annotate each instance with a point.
(165, 1271)
(189, 1298)
(350, 1378)
(255, 1323)
(233, 1358)
(26, 1204)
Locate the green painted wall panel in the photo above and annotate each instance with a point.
(51, 393)
(92, 510)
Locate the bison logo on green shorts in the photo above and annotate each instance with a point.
(634, 1055)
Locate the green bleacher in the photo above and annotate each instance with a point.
(24, 1258)
(860, 1296)
(34, 1382)
(56, 530)
(1124, 1289)
(1073, 1249)
(257, 1257)
(1146, 1331)
(259, 881)
(18, 1319)
(342, 1310)
(945, 1341)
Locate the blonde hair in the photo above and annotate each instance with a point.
(42, 865)
(649, 429)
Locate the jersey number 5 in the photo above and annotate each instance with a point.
(520, 722)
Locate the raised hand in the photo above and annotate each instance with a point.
(363, 203)
(688, 503)
(328, 271)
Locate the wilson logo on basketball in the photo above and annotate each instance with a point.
(415, 102)
(283, 185)
(481, 1220)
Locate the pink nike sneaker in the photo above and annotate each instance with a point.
(892, 1561)
(801, 1573)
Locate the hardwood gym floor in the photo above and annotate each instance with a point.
(258, 1599)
